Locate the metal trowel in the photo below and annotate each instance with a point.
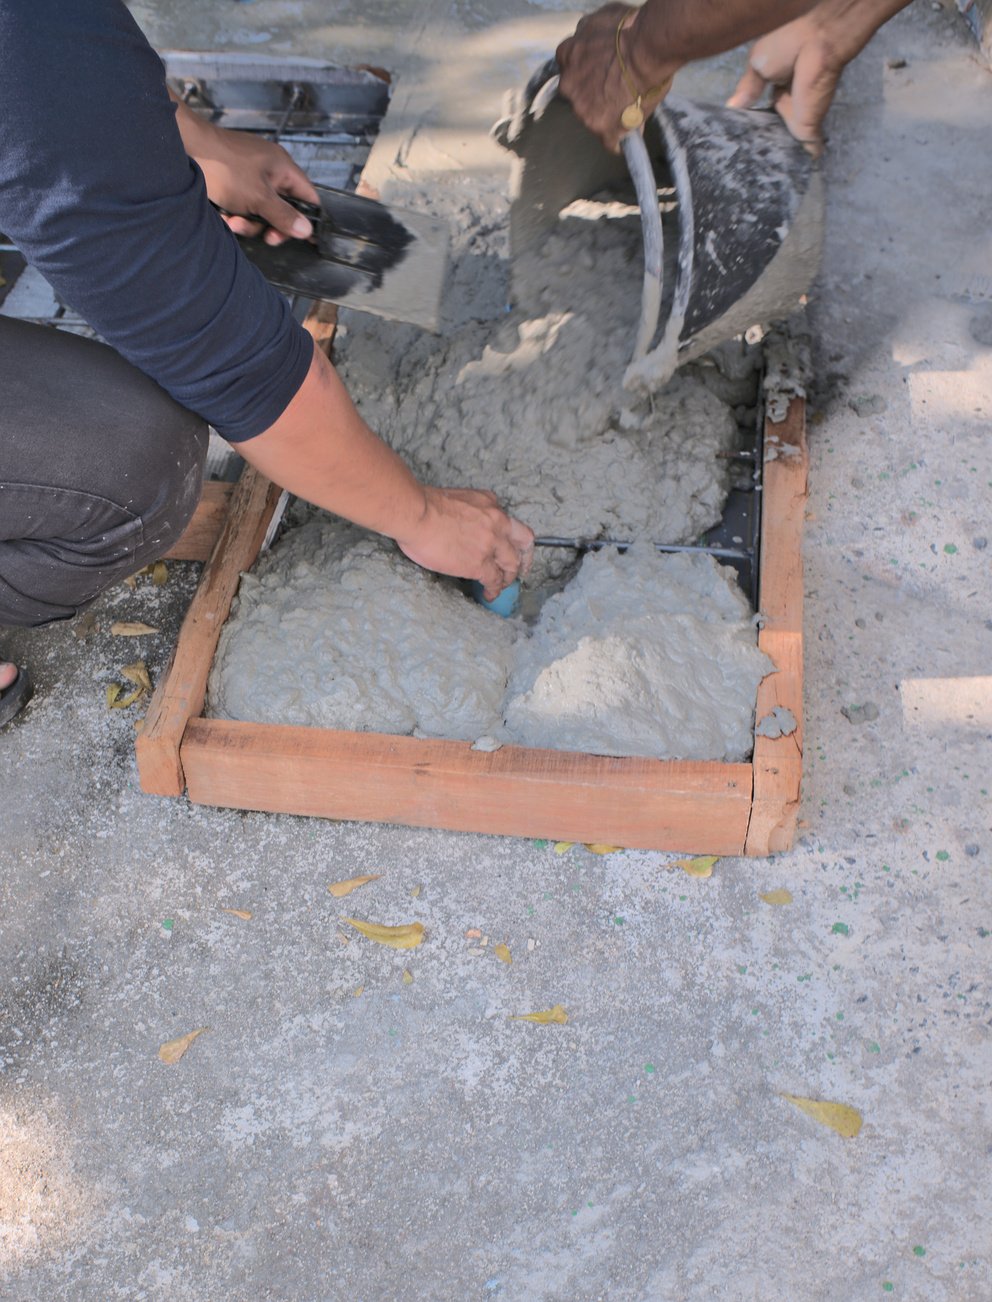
(363, 255)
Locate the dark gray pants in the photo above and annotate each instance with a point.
(99, 471)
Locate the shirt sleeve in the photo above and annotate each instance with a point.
(98, 193)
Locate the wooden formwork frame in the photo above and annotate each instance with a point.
(687, 806)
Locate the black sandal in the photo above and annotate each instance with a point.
(14, 698)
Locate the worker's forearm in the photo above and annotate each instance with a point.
(675, 32)
(679, 31)
(322, 450)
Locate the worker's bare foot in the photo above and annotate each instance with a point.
(8, 673)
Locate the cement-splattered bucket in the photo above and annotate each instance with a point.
(749, 203)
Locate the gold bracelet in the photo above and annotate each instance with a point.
(633, 115)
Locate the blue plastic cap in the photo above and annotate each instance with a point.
(505, 604)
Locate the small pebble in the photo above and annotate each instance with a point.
(866, 713)
(531, 945)
(895, 62)
(860, 623)
(980, 543)
(867, 404)
(971, 849)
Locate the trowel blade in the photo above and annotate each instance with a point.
(406, 285)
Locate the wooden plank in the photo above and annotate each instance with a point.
(321, 321)
(778, 763)
(202, 532)
(181, 689)
(649, 804)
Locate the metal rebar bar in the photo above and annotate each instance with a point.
(596, 544)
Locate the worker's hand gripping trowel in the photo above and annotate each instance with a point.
(363, 255)
(748, 204)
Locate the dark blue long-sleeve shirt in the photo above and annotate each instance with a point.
(98, 193)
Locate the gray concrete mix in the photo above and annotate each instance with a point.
(340, 1133)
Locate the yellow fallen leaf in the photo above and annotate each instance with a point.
(776, 897)
(838, 1116)
(556, 1014)
(137, 674)
(173, 1050)
(125, 628)
(502, 952)
(597, 848)
(701, 866)
(407, 936)
(352, 884)
(160, 573)
(415, 891)
(563, 847)
(243, 914)
(113, 691)
(359, 992)
(408, 977)
(122, 702)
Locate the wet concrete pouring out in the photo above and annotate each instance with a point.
(607, 654)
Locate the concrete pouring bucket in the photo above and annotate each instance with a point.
(748, 211)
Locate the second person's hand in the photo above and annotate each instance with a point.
(464, 533)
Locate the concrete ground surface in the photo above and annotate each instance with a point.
(342, 1132)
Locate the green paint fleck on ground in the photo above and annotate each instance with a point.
(741, 968)
(874, 1048)
(840, 929)
(943, 856)
(919, 1250)
(683, 897)
(631, 1098)
(619, 921)
(886, 868)
(840, 1017)
(540, 845)
(806, 976)
(950, 549)
(167, 924)
(887, 1286)
(754, 1012)
(649, 1067)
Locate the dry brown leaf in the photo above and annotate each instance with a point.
(137, 674)
(131, 581)
(338, 889)
(473, 933)
(359, 992)
(407, 936)
(556, 1014)
(124, 702)
(160, 574)
(134, 628)
(563, 847)
(173, 1050)
(701, 866)
(502, 952)
(776, 897)
(243, 914)
(838, 1116)
(408, 977)
(597, 848)
(113, 691)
